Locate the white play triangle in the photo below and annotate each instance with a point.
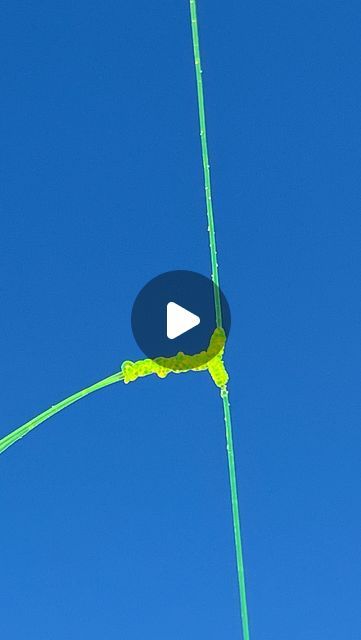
(179, 320)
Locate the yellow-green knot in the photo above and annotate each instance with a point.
(210, 360)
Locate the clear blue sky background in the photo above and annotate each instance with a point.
(115, 515)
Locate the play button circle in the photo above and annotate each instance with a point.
(174, 312)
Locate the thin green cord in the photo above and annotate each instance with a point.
(206, 168)
(218, 311)
(20, 432)
(235, 513)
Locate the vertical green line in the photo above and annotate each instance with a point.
(218, 311)
(235, 513)
(206, 168)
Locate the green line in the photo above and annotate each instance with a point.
(20, 432)
(235, 512)
(218, 311)
(206, 167)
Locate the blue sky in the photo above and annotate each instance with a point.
(115, 515)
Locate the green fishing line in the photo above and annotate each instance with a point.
(218, 311)
(20, 432)
(206, 167)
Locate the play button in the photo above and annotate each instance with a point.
(179, 320)
(175, 312)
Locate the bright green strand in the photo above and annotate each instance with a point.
(20, 432)
(206, 168)
(235, 513)
(218, 311)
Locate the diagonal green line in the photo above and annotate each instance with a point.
(218, 311)
(20, 432)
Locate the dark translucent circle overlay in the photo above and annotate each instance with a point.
(188, 289)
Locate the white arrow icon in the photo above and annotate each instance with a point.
(179, 320)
